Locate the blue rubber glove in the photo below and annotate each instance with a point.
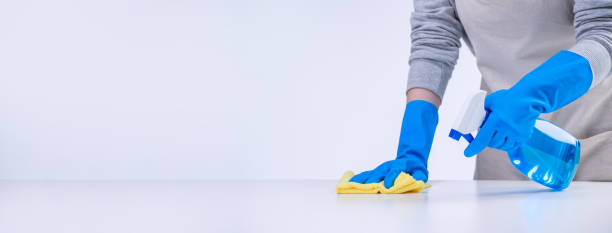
(418, 127)
(512, 113)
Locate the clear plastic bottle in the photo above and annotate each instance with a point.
(550, 156)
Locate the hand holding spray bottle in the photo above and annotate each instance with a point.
(550, 156)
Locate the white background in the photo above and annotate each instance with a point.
(268, 89)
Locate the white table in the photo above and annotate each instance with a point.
(300, 206)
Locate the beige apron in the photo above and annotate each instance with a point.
(509, 39)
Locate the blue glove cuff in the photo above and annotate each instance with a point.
(418, 128)
(555, 83)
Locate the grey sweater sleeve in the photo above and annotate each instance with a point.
(436, 33)
(593, 24)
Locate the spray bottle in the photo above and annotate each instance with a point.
(550, 156)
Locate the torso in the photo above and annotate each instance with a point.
(509, 39)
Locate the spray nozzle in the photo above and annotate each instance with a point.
(471, 117)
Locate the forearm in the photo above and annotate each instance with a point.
(423, 94)
(593, 24)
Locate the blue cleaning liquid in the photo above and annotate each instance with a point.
(549, 157)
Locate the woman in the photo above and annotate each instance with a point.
(538, 58)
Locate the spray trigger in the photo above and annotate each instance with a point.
(454, 134)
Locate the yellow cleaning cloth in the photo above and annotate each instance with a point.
(403, 183)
